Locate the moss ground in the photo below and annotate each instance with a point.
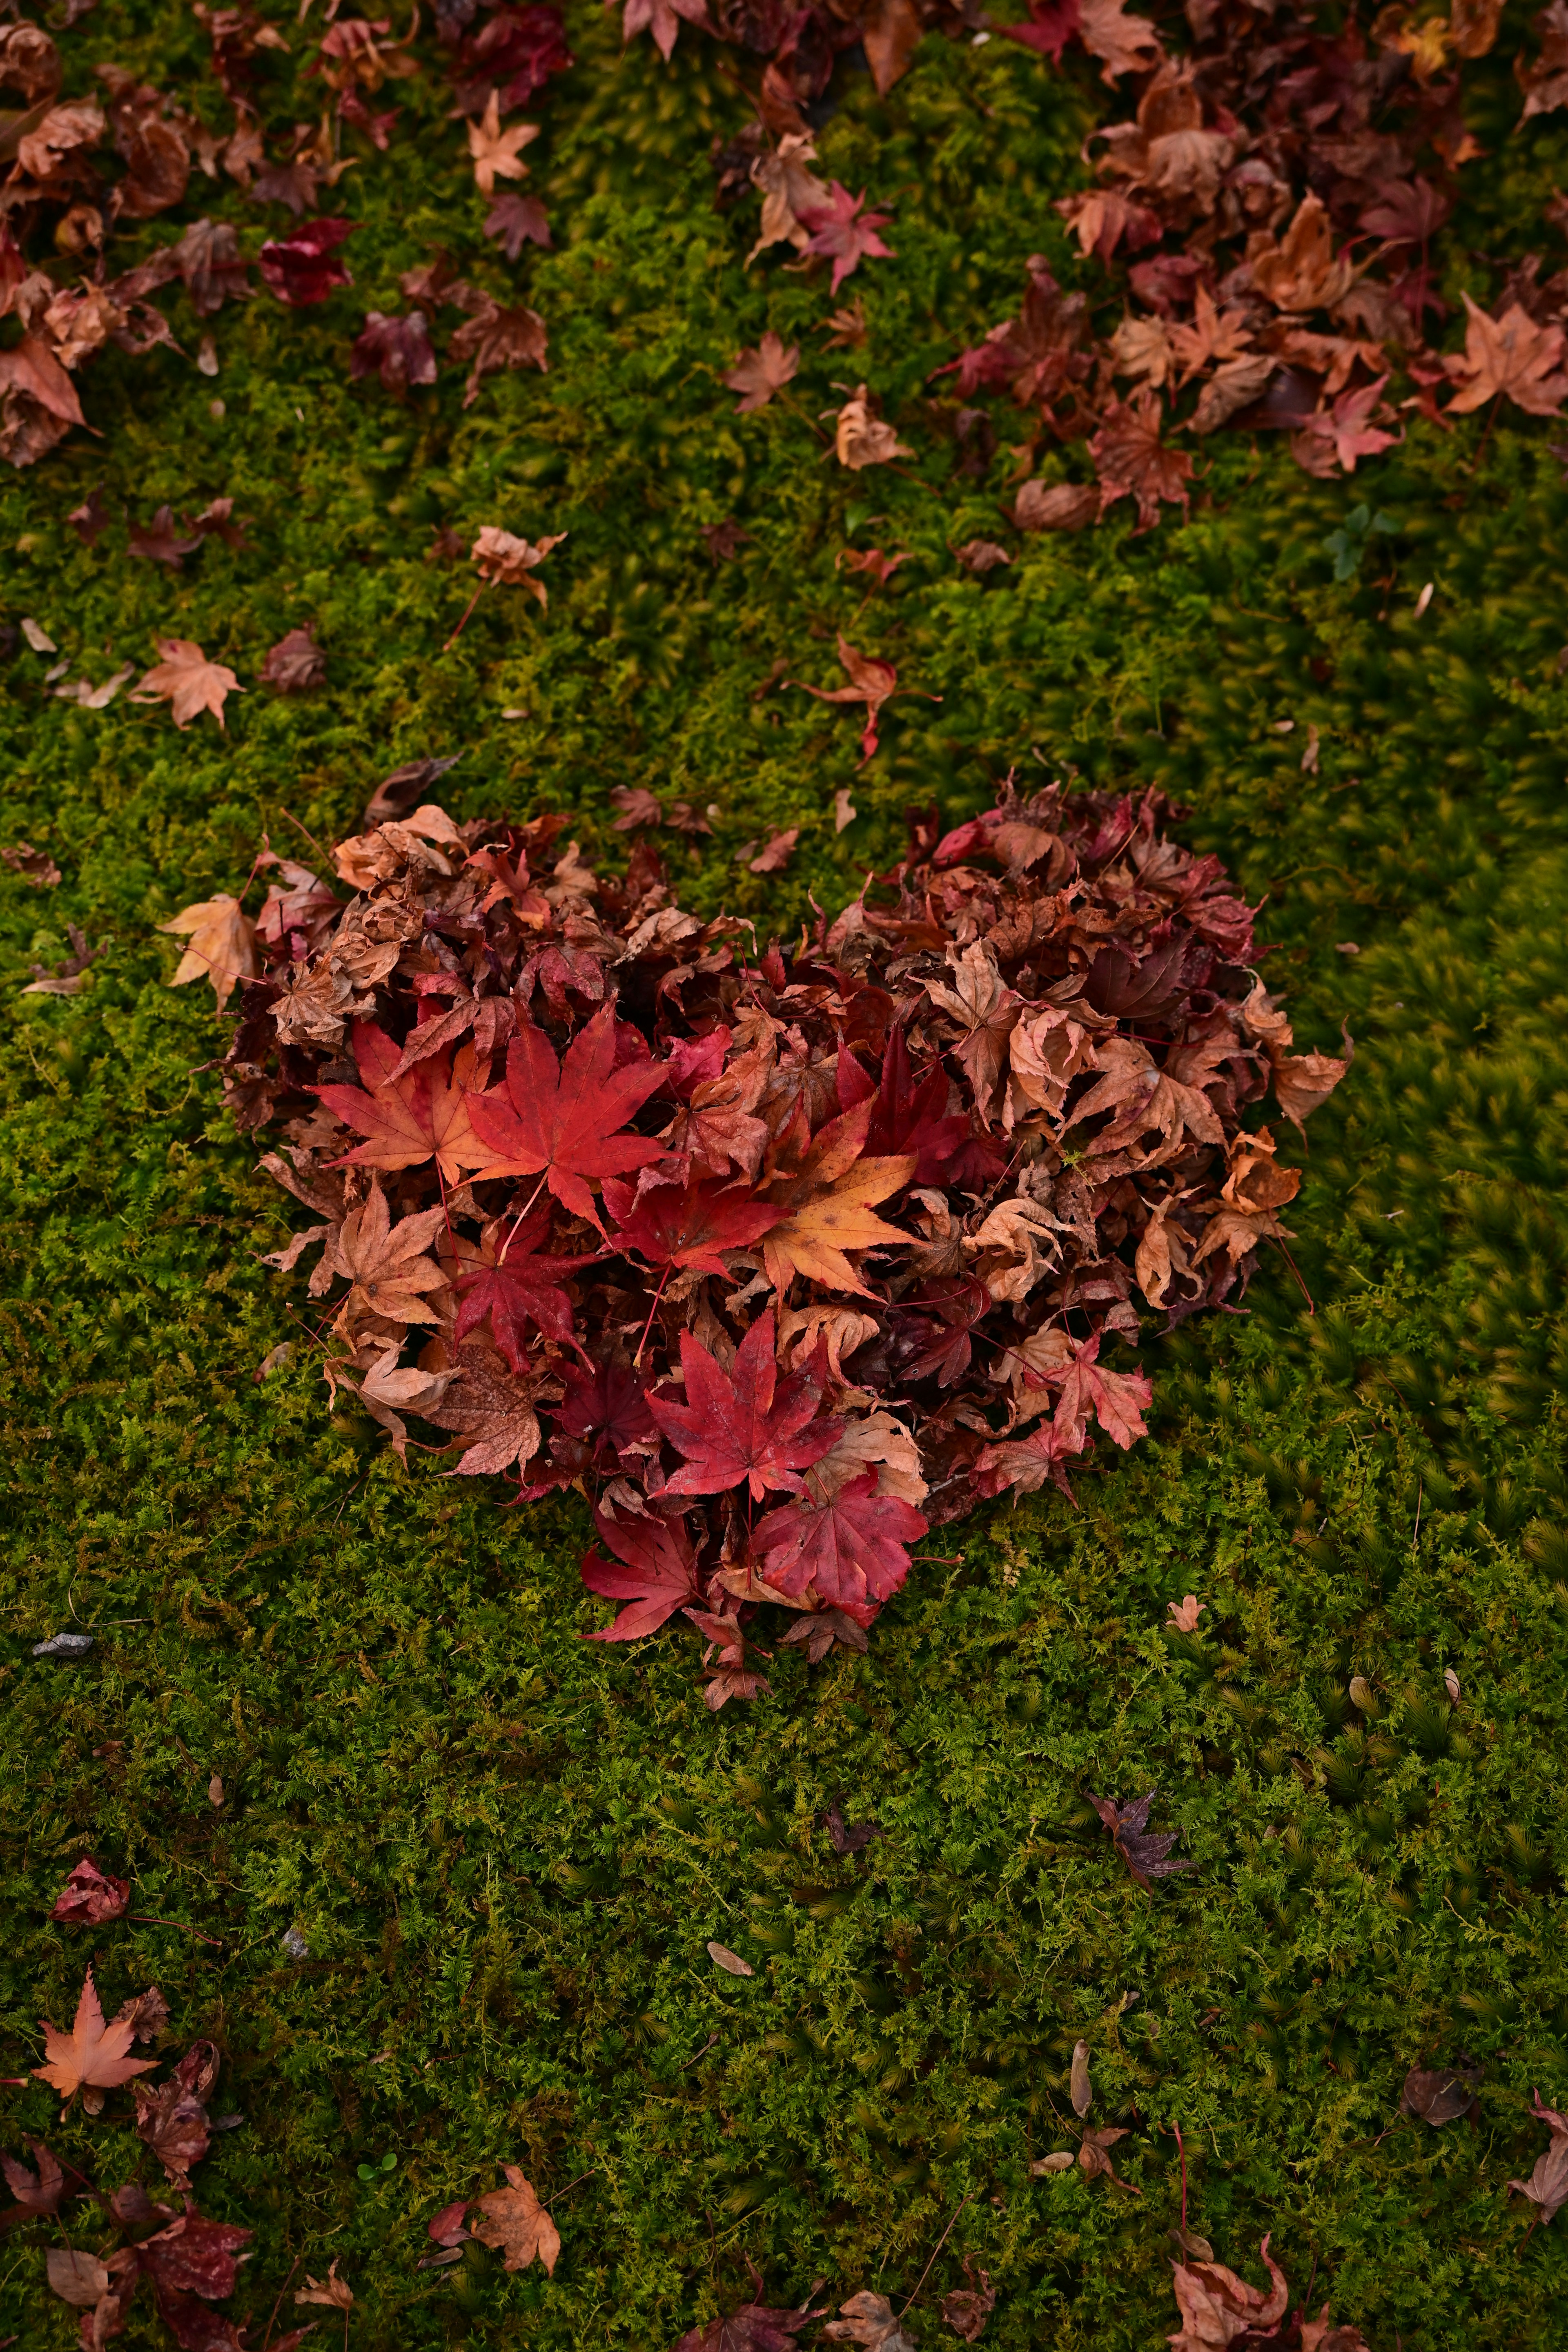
(507, 1849)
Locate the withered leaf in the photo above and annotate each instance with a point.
(1146, 1853)
(90, 1898)
(93, 2055)
(187, 682)
(514, 2220)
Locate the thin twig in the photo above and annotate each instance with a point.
(278, 2305)
(937, 2249)
(467, 616)
(144, 1919)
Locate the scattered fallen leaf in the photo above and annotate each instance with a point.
(513, 2222)
(222, 947)
(187, 682)
(730, 1963)
(93, 2055)
(758, 374)
(90, 1898)
(333, 2291)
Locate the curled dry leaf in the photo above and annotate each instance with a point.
(1440, 2095)
(1082, 2095)
(966, 2309)
(333, 2291)
(730, 1963)
(90, 1897)
(867, 2320)
(222, 945)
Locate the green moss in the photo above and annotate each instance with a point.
(506, 1849)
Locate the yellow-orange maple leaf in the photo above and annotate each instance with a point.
(830, 1201)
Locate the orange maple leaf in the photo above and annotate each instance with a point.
(187, 682)
(1511, 355)
(92, 2056)
(829, 1202)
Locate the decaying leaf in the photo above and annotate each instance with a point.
(1146, 1854)
(90, 1898)
(516, 2224)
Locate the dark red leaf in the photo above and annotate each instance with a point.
(659, 1575)
(745, 1428)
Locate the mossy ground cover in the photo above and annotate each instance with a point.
(507, 1849)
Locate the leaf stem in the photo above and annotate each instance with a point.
(937, 2249)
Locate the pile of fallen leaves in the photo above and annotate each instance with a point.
(780, 1257)
(1274, 198)
(1264, 229)
(91, 168)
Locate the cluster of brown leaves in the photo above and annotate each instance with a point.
(1275, 196)
(779, 1258)
(88, 168)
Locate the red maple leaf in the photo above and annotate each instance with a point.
(674, 1225)
(524, 1288)
(605, 1407)
(840, 229)
(659, 1575)
(1116, 1400)
(563, 1120)
(395, 348)
(301, 269)
(91, 1898)
(422, 1115)
(1051, 25)
(910, 1115)
(851, 1548)
(1132, 460)
(745, 1428)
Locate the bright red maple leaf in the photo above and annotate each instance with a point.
(852, 1549)
(564, 1120)
(1050, 26)
(659, 1574)
(747, 1427)
(688, 1224)
(423, 1115)
(524, 1288)
(839, 230)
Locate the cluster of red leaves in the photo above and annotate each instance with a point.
(89, 168)
(1274, 198)
(190, 2261)
(779, 1258)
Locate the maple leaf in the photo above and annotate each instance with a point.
(745, 1426)
(333, 2291)
(1544, 80)
(1547, 2187)
(966, 2309)
(1124, 44)
(565, 1121)
(90, 1898)
(1051, 25)
(301, 269)
(35, 2192)
(395, 349)
(872, 682)
(158, 542)
(514, 2220)
(1510, 355)
(1056, 506)
(295, 664)
(758, 373)
(1144, 1851)
(867, 2320)
(827, 1205)
(497, 153)
(1183, 1615)
(420, 1114)
(663, 18)
(691, 1225)
(515, 221)
(851, 1550)
(658, 1574)
(495, 338)
(384, 1262)
(605, 1407)
(521, 1289)
(35, 866)
(193, 2257)
(987, 1010)
(861, 439)
(1337, 436)
(841, 232)
(187, 682)
(222, 945)
(754, 2327)
(491, 1412)
(501, 557)
(1217, 2307)
(171, 2117)
(1132, 460)
(93, 2055)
